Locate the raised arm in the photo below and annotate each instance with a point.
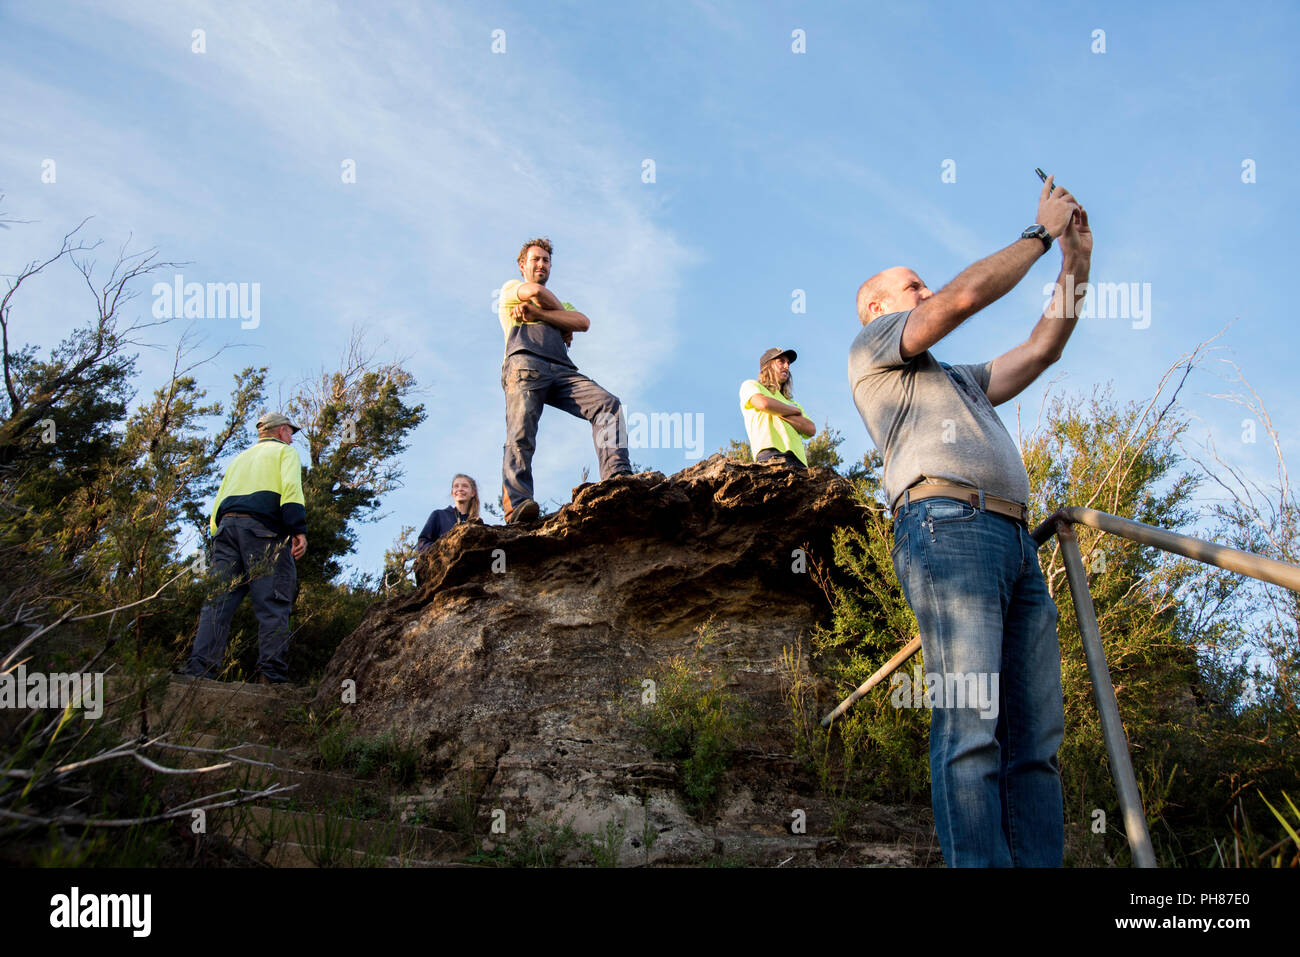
(1013, 371)
(986, 281)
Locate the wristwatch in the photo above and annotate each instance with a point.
(1038, 232)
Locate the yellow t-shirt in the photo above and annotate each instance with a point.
(538, 338)
(767, 431)
(507, 301)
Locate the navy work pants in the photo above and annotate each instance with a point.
(248, 559)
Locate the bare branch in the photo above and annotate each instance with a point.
(184, 811)
(222, 751)
(66, 248)
(154, 766)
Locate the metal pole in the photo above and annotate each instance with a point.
(1112, 727)
(1234, 560)
(885, 670)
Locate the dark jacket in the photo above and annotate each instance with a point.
(439, 524)
(264, 481)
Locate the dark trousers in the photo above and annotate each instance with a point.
(248, 559)
(772, 455)
(531, 382)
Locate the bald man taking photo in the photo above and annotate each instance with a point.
(958, 488)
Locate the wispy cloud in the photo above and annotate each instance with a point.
(460, 154)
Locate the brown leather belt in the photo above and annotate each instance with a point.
(964, 493)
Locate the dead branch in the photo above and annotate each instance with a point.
(274, 791)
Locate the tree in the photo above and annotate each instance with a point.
(1264, 519)
(399, 564)
(43, 534)
(823, 448)
(355, 422)
(164, 476)
(57, 418)
(738, 450)
(1124, 460)
(90, 360)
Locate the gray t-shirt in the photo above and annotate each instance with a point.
(930, 420)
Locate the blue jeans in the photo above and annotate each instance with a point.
(972, 578)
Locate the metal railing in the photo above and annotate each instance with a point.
(1061, 524)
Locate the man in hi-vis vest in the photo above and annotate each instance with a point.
(259, 527)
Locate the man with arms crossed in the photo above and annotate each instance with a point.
(537, 371)
(774, 421)
(962, 551)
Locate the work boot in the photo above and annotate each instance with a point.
(525, 511)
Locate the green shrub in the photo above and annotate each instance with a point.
(694, 721)
(368, 757)
(545, 844)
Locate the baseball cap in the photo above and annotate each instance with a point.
(771, 354)
(273, 420)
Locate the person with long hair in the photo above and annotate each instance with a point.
(775, 422)
(464, 508)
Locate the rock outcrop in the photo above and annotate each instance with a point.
(519, 664)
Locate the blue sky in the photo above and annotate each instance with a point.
(774, 171)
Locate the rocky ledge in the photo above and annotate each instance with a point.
(519, 666)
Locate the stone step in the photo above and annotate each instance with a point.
(292, 854)
(299, 759)
(285, 837)
(269, 766)
(236, 711)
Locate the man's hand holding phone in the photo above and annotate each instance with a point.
(1076, 240)
(1056, 208)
